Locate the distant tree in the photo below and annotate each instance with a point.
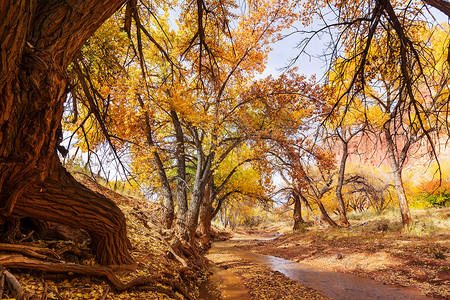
(394, 29)
(290, 107)
(380, 103)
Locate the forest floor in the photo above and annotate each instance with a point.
(164, 275)
(375, 250)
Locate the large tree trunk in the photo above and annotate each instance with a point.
(187, 223)
(191, 221)
(38, 40)
(187, 230)
(198, 195)
(62, 199)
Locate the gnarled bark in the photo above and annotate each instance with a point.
(38, 40)
(64, 200)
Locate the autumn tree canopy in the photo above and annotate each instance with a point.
(183, 98)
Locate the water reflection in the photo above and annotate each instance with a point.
(223, 284)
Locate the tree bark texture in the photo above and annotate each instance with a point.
(38, 40)
(298, 220)
(168, 206)
(206, 211)
(64, 200)
(340, 183)
(397, 166)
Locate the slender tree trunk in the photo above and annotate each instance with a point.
(168, 206)
(38, 40)
(397, 174)
(182, 204)
(340, 183)
(298, 220)
(222, 217)
(206, 211)
(401, 195)
(325, 215)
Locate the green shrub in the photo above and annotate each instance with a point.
(434, 194)
(440, 199)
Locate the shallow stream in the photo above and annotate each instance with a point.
(330, 284)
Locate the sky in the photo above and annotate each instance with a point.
(284, 51)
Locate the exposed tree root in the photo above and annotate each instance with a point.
(19, 261)
(143, 218)
(36, 252)
(63, 200)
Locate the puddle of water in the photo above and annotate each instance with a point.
(331, 284)
(223, 284)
